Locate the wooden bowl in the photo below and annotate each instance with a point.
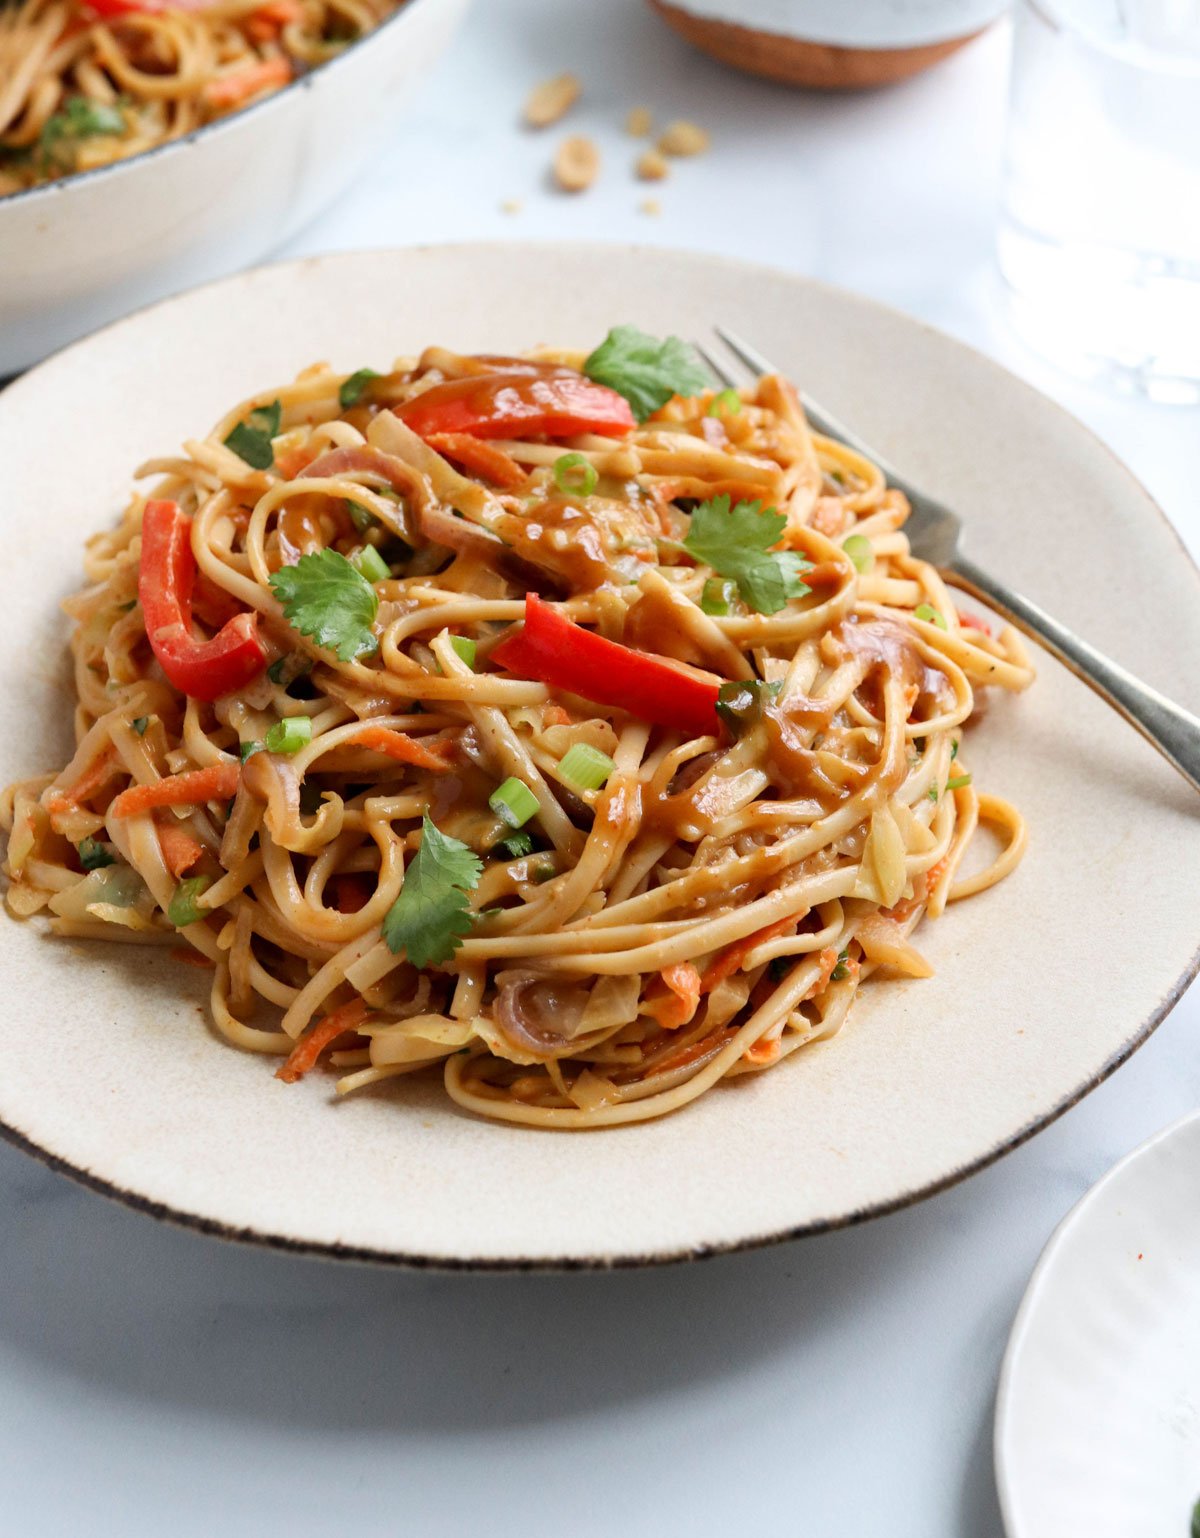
(796, 61)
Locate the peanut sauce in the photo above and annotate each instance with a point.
(579, 540)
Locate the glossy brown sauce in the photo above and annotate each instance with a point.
(578, 539)
(302, 528)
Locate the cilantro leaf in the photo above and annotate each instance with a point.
(251, 440)
(324, 597)
(644, 370)
(430, 917)
(736, 542)
(350, 391)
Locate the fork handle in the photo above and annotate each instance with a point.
(1174, 731)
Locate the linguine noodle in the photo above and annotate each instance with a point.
(87, 82)
(707, 908)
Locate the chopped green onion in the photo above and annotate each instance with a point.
(513, 802)
(841, 970)
(740, 703)
(930, 615)
(575, 474)
(183, 909)
(360, 517)
(139, 724)
(80, 119)
(289, 735)
(351, 390)
(249, 749)
(515, 847)
(371, 564)
(585, 767)
(954, 750)
(932, 792)
(719, 596)
(958, 781)
(251, 440)
(860, 550)
(93, 855)
(465, 648)
(726, 403)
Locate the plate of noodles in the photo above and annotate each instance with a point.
(146, 145)
(496, 797)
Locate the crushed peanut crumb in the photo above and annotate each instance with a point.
(650, 206)
(576, 163)
(551, 99)
(651, 166)
(510, 206)
(639, 122)
(683, 138)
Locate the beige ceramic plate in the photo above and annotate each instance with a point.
(1042, 985)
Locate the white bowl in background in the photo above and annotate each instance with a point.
(829, 44)
(77, 253)
(858, 24)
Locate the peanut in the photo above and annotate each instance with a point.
(576, 163)
(551, 100)
(683, 138)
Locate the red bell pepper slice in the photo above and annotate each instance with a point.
(556, 651)
(506, 405)
(202, 669)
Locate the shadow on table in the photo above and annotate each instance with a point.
(105, 1295)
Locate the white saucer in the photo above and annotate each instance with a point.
(1098, 1414)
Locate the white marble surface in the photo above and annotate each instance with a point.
(153, 1380)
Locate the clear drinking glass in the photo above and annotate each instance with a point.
(1099, 238)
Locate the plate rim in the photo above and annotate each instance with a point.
(365, 1254)
(1035, 1288)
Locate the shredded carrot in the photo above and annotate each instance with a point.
(349, 892)
(97, 773)
(179, 849)
(241, 84)
(218, 782)
(676, 1006)
(269, 20)
(730, 960)
(402, 748)
(908, 905)
(765, 1050)
(308, 1049)
(971, 621)
(290, 462)
(479, 457)
(829, 960)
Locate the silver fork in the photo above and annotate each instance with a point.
(933, 531)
